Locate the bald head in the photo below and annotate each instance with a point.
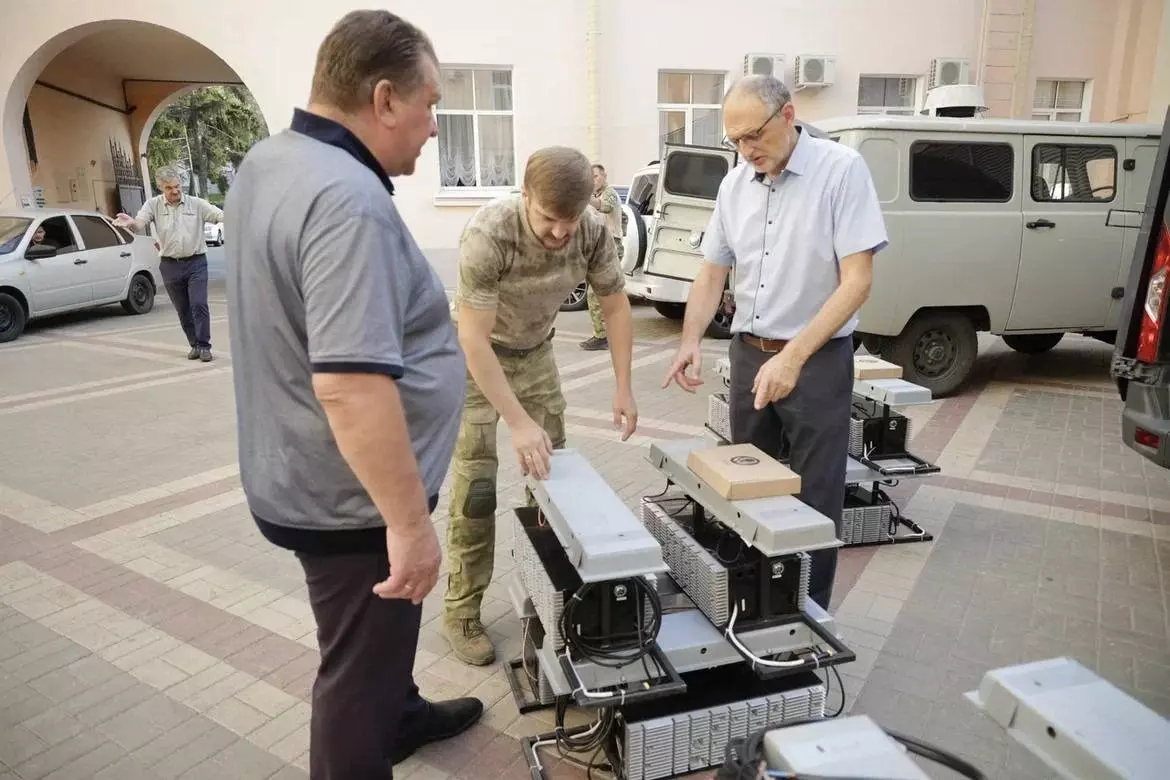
(768, 90)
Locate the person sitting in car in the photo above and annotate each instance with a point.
(38, 238)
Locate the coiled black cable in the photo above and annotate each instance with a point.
(604, 651)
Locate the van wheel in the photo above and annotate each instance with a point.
(12, 318)
(1032, 343)
(720, 327)
(670, 310)
(935, 351)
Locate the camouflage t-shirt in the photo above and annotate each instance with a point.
(611, 210)
(503, 265)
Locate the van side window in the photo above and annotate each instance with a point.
(1074, 173)
(961, 172)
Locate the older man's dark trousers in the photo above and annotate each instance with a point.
(365, 682)
(186, 283)
(814, 418)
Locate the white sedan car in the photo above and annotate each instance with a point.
(59, 260)
(213, 233)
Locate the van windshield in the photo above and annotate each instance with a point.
(12, 230)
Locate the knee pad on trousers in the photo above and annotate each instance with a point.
(481, 498)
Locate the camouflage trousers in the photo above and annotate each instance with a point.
(471, 530)
(595, 316)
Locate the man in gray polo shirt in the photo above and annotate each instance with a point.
(349, 383)
(800, 222)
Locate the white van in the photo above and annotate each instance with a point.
(1021, 228)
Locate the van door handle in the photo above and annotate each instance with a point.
(1040, 223)
(80, 262)
(125, 254)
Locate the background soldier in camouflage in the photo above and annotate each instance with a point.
(605, 199)
(519, 258)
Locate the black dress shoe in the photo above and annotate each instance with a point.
(440, 720)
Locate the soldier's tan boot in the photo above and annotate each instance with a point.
(469, 640)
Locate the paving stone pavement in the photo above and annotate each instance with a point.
(148, 631)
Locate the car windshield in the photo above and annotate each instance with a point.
(12, 229)
(641, 196)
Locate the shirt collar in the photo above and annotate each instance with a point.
(797, 161)
(335, 134)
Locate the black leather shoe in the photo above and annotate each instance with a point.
(205, 355)
(441, 720)
(193, 354)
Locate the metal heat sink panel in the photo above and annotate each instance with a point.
(695, 570)
(699, 573)
(693, 741)
(547, 601)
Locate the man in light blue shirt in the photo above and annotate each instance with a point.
(800, 223)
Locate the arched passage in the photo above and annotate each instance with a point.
(80, 109)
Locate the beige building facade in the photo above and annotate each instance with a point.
(82, 82)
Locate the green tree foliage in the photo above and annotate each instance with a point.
(205, 130)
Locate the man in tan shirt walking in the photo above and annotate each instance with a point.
(179, 220)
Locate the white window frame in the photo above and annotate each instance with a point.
(1049, 114)
(688, 108)
(911, 110)
(461, 195)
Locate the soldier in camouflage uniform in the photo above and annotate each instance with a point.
(519, 258)
(606, 201)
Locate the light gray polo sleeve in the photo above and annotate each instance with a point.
(356, 294)
(858, 224)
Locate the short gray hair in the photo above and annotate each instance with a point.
(769, 90)
(167, 174)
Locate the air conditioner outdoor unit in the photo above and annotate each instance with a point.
(945, 72)
(764, 65)
(814, 71)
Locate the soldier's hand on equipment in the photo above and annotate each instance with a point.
(689, 356)
(414, 563)
(533, 448)
(625, 414)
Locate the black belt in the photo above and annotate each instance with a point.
(182, 259)
(504, 351)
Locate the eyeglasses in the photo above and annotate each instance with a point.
(753, 136)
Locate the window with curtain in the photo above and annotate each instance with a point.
(690, 108)
(1059, 101)
(476, 137)
(887, 95)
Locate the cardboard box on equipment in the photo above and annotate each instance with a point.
(870, 367)
(742, 471)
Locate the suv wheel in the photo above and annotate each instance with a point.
(12, 318)
(1032, 343)
(577, 299)
(935, 350)
(670, 310)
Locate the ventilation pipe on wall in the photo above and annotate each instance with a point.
(1022, 82)
(593, 31)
